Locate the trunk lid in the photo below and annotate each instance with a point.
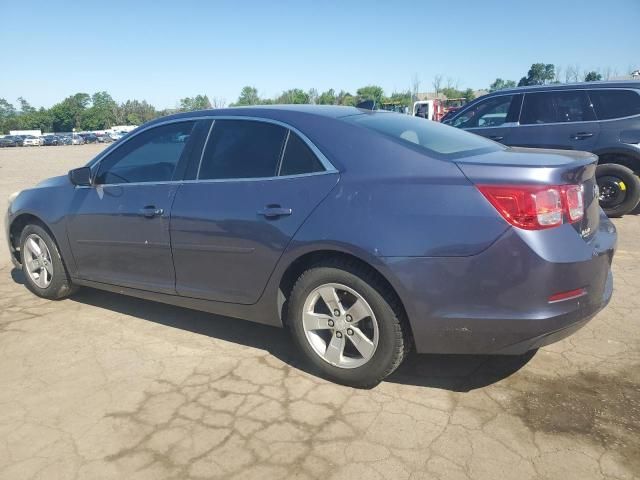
(532, 166)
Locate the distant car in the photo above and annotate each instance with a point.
(8, 141)
(598, 117)
(89, 137)
(77, 140)
(103, 138)
(116, 135)
(31, 141)
(40, 140)
(50, 140)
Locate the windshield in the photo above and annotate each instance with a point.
(436, 139)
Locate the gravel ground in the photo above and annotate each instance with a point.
(103, 386)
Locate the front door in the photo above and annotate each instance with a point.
(257, 184)
(493, 118)
(118, 228)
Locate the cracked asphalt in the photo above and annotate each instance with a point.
(101, 386)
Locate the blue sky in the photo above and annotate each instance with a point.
(164, 50)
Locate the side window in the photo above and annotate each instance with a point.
(242, 149)
(298, 158)
(151, 156)
(556, 107)
(490, 113)
(615, 103)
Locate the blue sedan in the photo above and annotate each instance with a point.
(365, 233)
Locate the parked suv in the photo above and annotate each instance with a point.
(599, 117)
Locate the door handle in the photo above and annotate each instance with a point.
(581, 135)
(275, 211)
(497, 138)
(150, 211)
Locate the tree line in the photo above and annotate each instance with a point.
(100, 111)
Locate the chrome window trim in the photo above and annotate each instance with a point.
(328, 166)
(212, 180)
(204, 147)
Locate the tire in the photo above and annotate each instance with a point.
(352, 282)
(619, 189)
(56, 283)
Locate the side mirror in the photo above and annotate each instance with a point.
(80, 176)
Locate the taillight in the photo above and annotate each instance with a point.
(536, 207)
(574, 202)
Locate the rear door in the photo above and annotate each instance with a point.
(562, 119)
(493, 117)
(256, 184)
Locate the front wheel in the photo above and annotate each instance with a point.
(619, 189)
(42, 265)
(348, 324)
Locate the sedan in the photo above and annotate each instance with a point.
(50, 140)
(8, 141)
(367, 234)
(31, 141)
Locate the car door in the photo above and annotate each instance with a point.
(562, 119)
(118, 228)
(493, 117)
(256, 184)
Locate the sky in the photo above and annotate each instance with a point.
(161, 51)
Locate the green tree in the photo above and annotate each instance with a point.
(25, 107)
(67, 114)
(199, 102)
(102, 113)
(7, 116)
(135, 112)
(248, 96)
(538, 74)
(403, 98)
(370, 92)
(293, 96)
(469, 94)
(592, 76)
(327, 98)
(345, 98)
(500, 84)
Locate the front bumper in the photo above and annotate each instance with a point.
(496, 302)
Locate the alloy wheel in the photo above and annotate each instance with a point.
(37, 259)
(340, 326)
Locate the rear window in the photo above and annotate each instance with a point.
(434, 138)
(615, 103)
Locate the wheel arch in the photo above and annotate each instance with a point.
(620, 156)
(327, 256)
(16, 227)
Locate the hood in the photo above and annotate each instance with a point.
(58, 181)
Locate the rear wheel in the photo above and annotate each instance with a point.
(619, 189)
(347, 324)
(44, 271)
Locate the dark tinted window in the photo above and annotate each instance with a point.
(431, 137)
(151, 156)
(615, 103)
(490, 113)
(242, 149)
(556, 107)
(298, 158)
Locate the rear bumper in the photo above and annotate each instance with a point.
(497, 302)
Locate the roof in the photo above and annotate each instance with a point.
(329, 111)
(570, 86)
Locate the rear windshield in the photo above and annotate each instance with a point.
(431, 137)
